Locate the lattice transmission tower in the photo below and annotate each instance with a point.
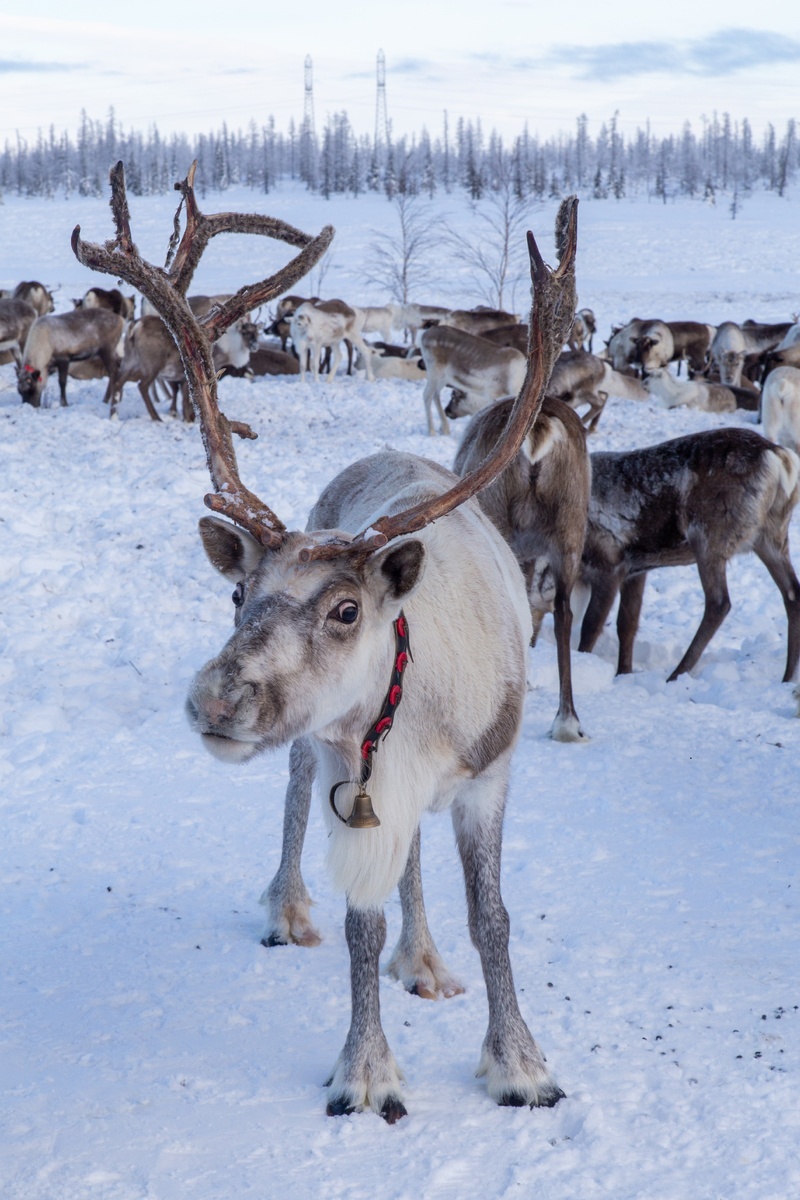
(308, 137)
(381, 118)
(308, 98)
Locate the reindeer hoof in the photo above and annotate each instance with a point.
(274, 939)
(547, 1099)
(340, 1108)
(393, 1110)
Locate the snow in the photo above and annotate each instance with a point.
(152, 1049)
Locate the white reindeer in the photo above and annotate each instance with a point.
(780, 407)
(695, 393)
(322, 628)
(327, 323)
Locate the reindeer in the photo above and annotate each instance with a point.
(412, 317)
(621, 347)
(780, 407)
(584, 327)
(58, 340)
(697, 393)
(662, 342)
(35, 294)
(578, 378)
(785, 354)
(327, 324)
(390, 366)
(479, 371)
(737, 348)
(16, 318)
(476, 320)
(109, 298)
(150, 354)
(265, 360)
(697, 499)
(540, 504)
(515, 336)
(395, 549)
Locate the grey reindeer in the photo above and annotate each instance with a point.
(320, 622)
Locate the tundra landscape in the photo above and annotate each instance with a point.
(152, 1046)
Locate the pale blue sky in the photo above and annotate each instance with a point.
(506, 61)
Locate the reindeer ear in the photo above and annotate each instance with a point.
(232, 551)
(398, 569)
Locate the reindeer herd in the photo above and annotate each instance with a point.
(413, 583)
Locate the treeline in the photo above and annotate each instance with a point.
(723, 156)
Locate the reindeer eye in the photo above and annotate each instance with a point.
(238, 595)
(346, 612)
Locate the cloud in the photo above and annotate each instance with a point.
(7, 67)
(721, 53)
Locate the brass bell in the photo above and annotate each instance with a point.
(363, 815)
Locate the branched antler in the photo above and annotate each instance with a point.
(552, 314)
(166, 289)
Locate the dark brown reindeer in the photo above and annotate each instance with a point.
(395, 544)
(697, 499)
(540, 505)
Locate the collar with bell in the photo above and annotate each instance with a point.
(363, 816)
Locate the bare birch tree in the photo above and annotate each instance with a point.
(399, 261)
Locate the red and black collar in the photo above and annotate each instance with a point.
(383, 724)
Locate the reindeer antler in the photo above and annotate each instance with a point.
(552, 314)
(166, 290)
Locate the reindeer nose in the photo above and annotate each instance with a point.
(216, 709)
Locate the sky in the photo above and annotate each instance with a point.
(509, 62)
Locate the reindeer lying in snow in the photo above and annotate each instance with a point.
(709, 397)
(322, 630)
(391, 366)
(697, 499)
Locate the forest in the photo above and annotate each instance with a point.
(724, 156)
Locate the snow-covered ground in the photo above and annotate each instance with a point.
(151, 1048)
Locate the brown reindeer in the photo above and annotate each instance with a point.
(697, 499)
(540, 504)
(60, 339)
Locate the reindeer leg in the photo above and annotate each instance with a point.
(360, 345)
(186, 403)
(148, 403)
(286, 899)
(566, 727)
(366, 1074)
(416, 962)
(428, 396)
(596, 411)
(63, 371)
(511, 1060)
(776, 560)
(336, 357)
(604, 592)
(630, 606)
(713, 577)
